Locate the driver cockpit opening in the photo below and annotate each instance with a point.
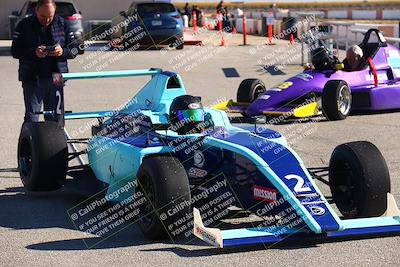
(356, 55)
(323, 60)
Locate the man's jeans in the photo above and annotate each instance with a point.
(44, 91)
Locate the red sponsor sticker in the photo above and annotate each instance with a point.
(196, 172)
(264, 194)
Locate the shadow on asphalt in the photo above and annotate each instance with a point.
(21, 210)
(275, 120)
(374, 112)
(5, 53)
(290, 245)
(187, 253)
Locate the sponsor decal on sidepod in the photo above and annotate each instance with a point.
(316, 210)
(264, 194)
(198, 159)
(196, 172)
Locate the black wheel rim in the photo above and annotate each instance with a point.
(147, 208)
(25, 158)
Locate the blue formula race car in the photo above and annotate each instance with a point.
(183, 168)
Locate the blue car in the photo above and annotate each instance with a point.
(160, 21)
(185, 167)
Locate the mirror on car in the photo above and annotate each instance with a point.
(80, 12)
(15, 13)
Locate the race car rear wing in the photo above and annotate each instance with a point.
(111, 74)
(104, 74)
(88, 115)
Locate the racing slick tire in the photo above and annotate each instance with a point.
(336, 100)
(359, 180)
(249, 90)
(163, 181)
(42, 156)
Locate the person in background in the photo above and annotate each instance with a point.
(221, 8)
(354, 59)
(188, 11)
(199, 15)
(42, 43)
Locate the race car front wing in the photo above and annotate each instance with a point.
(388, 224)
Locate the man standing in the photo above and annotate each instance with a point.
(221, 8)
(43, 43)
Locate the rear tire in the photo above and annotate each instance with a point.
(249, 90)
(359, 180)
(42, 156)
(336, 100)
(164, 183)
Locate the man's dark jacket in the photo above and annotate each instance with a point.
(26, 40)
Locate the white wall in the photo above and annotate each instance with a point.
(364, 14)
(271, 1)
(391, 14)
(337, 14)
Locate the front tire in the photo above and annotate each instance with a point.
(336, 100)
(164, 183)
(42, 156)
(249, 90)
(359, 180)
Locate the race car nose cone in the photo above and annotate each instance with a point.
(255, 108)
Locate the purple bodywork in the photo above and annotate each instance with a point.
(365, 94)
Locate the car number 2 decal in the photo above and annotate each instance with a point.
(299, 187)
(58, 109)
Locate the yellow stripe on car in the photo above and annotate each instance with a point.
(306, 111)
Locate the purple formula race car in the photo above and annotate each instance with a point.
(328, 88)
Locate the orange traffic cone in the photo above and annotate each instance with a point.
(291, 39)
(222, 41)
(234, 30)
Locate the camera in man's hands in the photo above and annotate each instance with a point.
(50, 48)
